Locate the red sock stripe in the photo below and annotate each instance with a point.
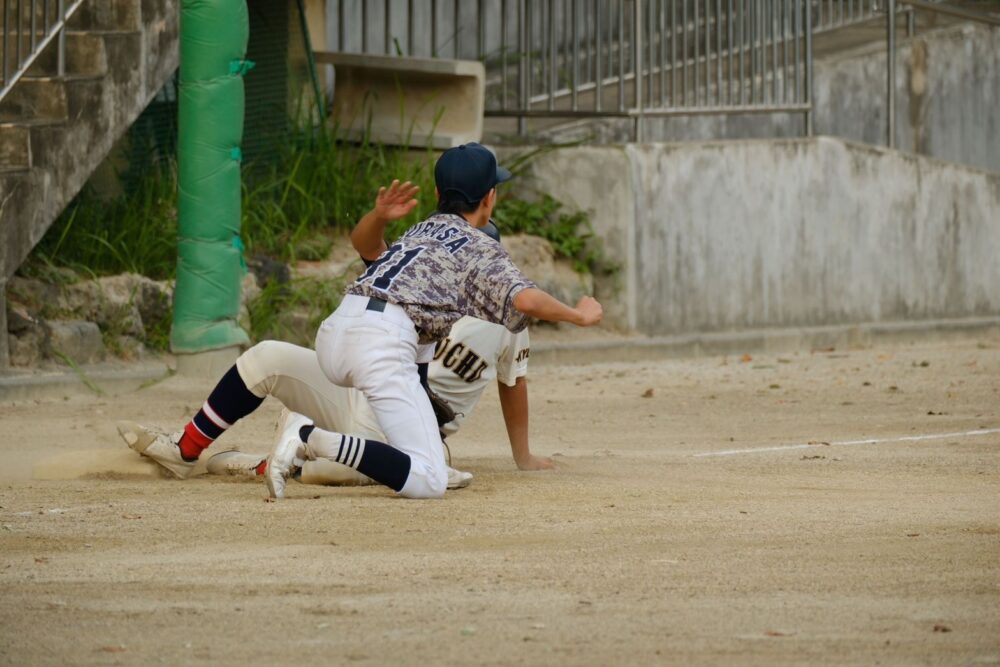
(194, 441)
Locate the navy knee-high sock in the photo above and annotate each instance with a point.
(383, 463)
(229, 402)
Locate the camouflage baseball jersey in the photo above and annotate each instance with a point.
(444, 268)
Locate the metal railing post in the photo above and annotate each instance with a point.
(809, 71)
(522, 67)
(5, 45)
(434, 27)
(340, 26)
(890, 57)
(503, 55)
(637, 57)
(598, 73)
(409, 27)
(552, 53)
(387, 27)
(575, 65)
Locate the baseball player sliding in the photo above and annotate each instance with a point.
(473, 355)
(439, 271)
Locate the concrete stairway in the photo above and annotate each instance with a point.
(55, 130)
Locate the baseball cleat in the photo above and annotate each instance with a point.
(160, 447)
(458, 479)
(235, 464)
(287, 454)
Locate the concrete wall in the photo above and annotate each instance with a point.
(809, 232)
(947, 101)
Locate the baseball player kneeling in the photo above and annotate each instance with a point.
(439, 271)
(473, 355)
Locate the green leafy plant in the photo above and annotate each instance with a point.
(134, 233)
(294, 204)
(569, 232)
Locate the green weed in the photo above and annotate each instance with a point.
(292, 207)
(293, 311)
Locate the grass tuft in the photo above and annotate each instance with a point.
(292, 207)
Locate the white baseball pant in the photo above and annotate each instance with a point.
(377, 353)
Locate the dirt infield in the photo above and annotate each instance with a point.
(660, 539)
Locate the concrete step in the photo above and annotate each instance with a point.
(31, 116)
(15, 146)
(107, 15)
(16, 142)
(85, 55)
(43, 12)
(83, 95)
(35, 98)
(16, 204)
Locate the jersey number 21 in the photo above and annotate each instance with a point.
(389, 274)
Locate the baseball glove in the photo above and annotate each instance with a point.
(442, 411)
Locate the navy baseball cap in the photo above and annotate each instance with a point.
(467, 172)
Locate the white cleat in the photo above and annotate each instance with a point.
(287, 454)
(235, 464)
(158, 446)
(458, 479)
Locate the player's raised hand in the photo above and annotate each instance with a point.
(395, 201)
(590, 311)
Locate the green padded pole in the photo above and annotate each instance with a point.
(210, 264)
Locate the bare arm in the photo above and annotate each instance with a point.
(514, 404)
(392, 203)
(540, 305)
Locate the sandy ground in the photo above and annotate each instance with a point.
(637, 550)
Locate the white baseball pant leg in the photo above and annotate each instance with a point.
(291, 374)
(377, 352)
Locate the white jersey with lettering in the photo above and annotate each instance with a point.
(473, 356)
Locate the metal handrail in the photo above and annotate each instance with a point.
(626, 58)
(612, 58)
(51, 31)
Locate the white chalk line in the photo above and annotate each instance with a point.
(849, 443)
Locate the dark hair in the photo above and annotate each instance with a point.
(456, 206)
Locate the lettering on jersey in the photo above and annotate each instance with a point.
(441, 347)
(478, 373)
(452, 238)
(466, 365)
(523, 354)
(446, 234)
(460, 360)
(451, 356)
(457, 244)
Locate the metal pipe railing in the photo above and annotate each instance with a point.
(34, 31)
(635, 58)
